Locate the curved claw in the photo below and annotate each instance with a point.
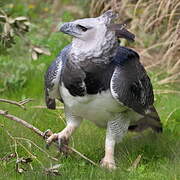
(52, 138)
(47, 133)
(47, 146)
(59, 143)
(108, 164)
(59, 138)
(62, 144)
(48, 137)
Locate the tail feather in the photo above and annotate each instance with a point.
(150, 120)
(50, 103)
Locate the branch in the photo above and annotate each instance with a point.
(20, 104)
(40, 133)
(45, 107)
(24, 123)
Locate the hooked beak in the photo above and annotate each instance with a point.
(70, 29)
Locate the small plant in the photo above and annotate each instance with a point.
(11, 27)
(15, 80)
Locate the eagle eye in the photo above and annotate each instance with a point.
(84, 29)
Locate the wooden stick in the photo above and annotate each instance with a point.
(40, 133)
(45, 107)
(20, 104)
(24, 123)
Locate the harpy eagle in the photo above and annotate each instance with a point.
(98, 80)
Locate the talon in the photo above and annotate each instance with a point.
(52, 138)
(47, 146)
(59, 143)
(62, 144)
(59, 138)
(108, 164)
(47, 133)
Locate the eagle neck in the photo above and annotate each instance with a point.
(102, 53)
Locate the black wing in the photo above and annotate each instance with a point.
(53, 76)
(130, 83)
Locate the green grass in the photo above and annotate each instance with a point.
(160, 153)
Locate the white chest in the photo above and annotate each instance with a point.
(98, 108)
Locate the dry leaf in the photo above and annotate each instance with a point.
(20, 170)
(24, 160)
(46, 52)
(21, 18)
(27, 23)
(11, 27)
(8, 157)
(10, 20)
(11, 32)
(34, 55)
(7, 28)
(53, 171)
(38, 50)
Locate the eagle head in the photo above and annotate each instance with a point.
(88, 28)
(92, 37)
(95, 37)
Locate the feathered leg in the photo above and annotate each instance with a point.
(108, 160)
(115, 132)
(73, 122)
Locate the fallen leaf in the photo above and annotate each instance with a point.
(7, 28)
(8, 157)
(34, 55)
(38, 50)
(20, 162)
(21, 18)
(53, 171)
(27, 23)
(24, 160)
(42, 51)
(20, 170)
(46, 52)
(11, 32)
(10, 20)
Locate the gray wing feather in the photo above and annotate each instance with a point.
(53, 76)
(133, 91)
(130, 83)
(131, 86)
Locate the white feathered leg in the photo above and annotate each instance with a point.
(116, 129)
(73, 122)
(108, 160)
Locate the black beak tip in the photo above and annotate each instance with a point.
(61, 28)
(64, 27)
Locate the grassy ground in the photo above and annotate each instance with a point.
(160, 153)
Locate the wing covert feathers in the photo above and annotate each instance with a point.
(131, 86)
